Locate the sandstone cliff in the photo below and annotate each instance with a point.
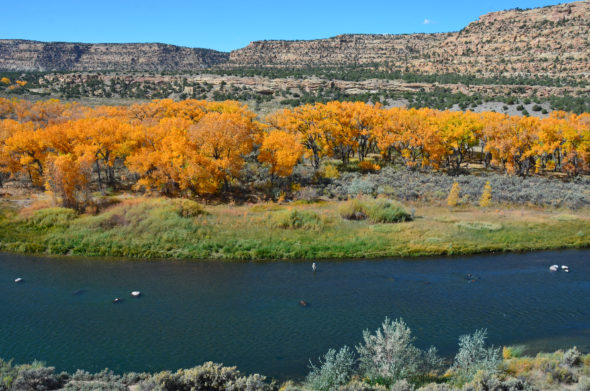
(552, 40)
(59, 56)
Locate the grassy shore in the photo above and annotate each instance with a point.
(167, 228)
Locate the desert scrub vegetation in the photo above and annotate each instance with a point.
(386, 359)
(146, 227)
(409, 185)
(209, 376)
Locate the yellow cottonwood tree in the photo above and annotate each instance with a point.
(280, 150)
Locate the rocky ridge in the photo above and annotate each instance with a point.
(22, 55)
(551, 41)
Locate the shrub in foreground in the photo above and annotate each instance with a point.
(583, 384)
(474, 356)
(389, 355)
(206, 377)
(335, 369)
(485, 381)
(572, 357)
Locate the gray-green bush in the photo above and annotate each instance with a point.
(583, 384)
(335, 369)
(403, 184)
(572, 357)
(206, 377)
(474, 356)
(486, 381)
(389, 355)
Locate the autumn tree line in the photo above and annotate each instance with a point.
(192, 147)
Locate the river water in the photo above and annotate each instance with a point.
(249, 315)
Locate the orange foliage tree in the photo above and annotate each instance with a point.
(281, 151)
(196, 147)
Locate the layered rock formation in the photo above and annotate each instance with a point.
(552, 40)
(60, 56)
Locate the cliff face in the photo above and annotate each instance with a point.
(551, 40)
(59, 56)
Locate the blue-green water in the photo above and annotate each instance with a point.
(248, 314)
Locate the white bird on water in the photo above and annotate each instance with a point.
(17, 280)
(135, 293)
(553, 268)
(313, 267)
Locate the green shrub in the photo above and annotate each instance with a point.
(51, 217)
(7, 374)
(378, 211)
(353, 210)
(509, 352)
(189, 208)
(297, 219)
(386, 211)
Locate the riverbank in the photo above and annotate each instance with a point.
(182, 229)
(558, 371)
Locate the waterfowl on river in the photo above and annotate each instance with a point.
(313, 267)
(17, 280)
(553, 268)
(303, 303)
(135, 293)
(564, 267)
(117, 300)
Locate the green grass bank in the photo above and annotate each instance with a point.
(183, 229)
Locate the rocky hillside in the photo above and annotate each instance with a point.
(24, 55)
(552, 40)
